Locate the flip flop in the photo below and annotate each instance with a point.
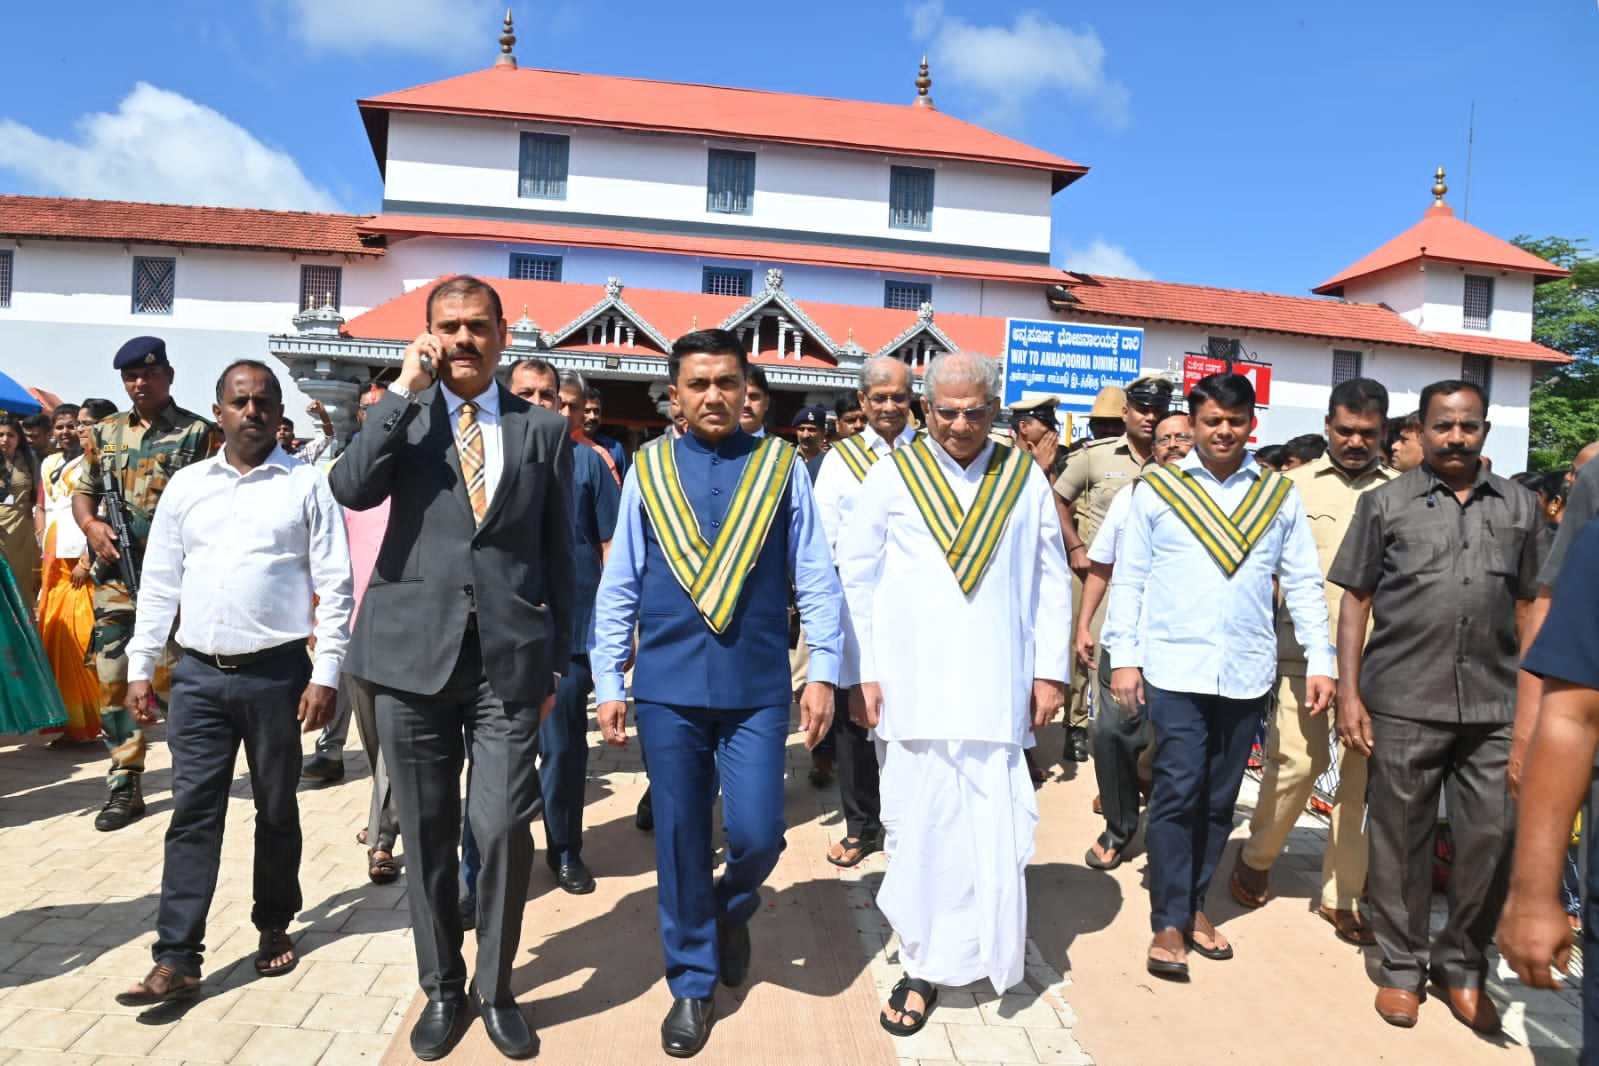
(862, 848)
(275, 942)
(1219, 954)
(1093, 859)
(897, 1000)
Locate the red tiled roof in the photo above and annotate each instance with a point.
(713, 247)
(60, 218)
(1443, 237)
(1268, 312)
(553, 305)
(712, 111)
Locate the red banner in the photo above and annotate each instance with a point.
(1200, 366)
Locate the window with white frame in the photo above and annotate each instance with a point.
(1346, 366)
(730, 182)
(154, 285)
(543, 165)
(1479, 370)
(5, 277)
(1479, 302)
(726, 281)
(910, 198)
(906, 295)
(319, 287)
(526, 266)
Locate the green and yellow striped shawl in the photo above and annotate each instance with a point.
(1227, 539)
(969, 539)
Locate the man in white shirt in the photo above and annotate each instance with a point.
(885, 392)
(1119, 738)
(242, 547)
(1190, 628)
(960, 601)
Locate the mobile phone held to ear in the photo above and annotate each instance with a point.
(427, 364)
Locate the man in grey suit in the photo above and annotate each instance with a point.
(468, 616)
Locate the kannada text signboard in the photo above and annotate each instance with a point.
(1069, 361)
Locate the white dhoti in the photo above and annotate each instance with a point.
(959, 818)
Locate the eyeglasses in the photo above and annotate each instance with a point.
(971, 414)
(889, 399)
(1175, 438)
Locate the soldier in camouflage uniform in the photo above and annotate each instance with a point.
(143, 448)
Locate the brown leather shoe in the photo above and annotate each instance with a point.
(162, 984)
(1249, 886)
(1471, 1006)
(1398, 1006)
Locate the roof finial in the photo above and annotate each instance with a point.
(924, 82)
(1439, 188)
(507, 42)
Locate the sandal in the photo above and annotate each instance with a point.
(1173, 968)
(859, 846)
(360, 838)
(161, 985)
(1217, 949)
(911, 1021)
(275, 943)
(1349, 925)
(1105, 844)
(382, 870)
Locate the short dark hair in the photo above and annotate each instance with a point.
(1271, 455)
(1225, 390)
(708, 342)
(1449, 387)
(287, 421)
(64, 410)
(1307, 447)
(757, 377)
(592, 394)
(252, 364)
(37, 420)
(1360, 395)
(465, 285)
(537, 366)
(1398, 427)
(98, 408)
(850, 401)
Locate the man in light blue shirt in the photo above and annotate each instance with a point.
(1190, 630)
(714, 527)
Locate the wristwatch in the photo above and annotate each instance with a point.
(402, 392)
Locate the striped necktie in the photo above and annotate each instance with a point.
(469, 437)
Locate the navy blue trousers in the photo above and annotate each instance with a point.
(1201, 749)
(564, 764)
(685, 746)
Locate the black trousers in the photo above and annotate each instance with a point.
(424, 740)
(1411, 764)
(1117, 739)
(858, 773)
(213, 712)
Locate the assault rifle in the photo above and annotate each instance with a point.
(116, 510)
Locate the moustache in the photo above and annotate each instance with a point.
(464, 349)
(1461, 450)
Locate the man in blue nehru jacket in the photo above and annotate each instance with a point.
(713, 529)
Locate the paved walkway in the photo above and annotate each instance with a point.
(78, 925)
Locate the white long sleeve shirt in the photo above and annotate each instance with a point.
(953, 667)
(236, 559)
(1191, 628)
(836, 489)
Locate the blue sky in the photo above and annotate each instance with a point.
(1258, 145)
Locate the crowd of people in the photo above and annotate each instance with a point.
(1372, 596)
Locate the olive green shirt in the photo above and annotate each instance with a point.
(1094, 474)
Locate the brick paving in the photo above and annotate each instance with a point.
(80, 906)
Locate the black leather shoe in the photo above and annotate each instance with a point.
(1077, 743)
(733, 953)
(124, 805)
(321, 768)
(437, 1028)
(468, 906)
(573, 877)
(507, 1028)
(644, 817)
(687, 1026)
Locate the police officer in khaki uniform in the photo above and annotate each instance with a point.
(142, 448)
(1093, 476)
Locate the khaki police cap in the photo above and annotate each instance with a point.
(1110, 403)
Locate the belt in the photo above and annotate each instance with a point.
(249, 658)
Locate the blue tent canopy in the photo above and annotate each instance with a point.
(15, 398)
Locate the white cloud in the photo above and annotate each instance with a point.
(1102, 257)
(452, 28)
(163, 147)
(1011, 66)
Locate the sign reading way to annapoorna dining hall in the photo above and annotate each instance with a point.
(1069, 361)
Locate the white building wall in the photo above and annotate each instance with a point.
(474, 162)
(1402, 288)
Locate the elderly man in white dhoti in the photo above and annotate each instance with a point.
(956, 580)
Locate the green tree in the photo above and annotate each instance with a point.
(1564, 411)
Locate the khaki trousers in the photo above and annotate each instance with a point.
(1298, 751)
(1077, 706)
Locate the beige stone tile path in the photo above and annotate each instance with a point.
(77, 923)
